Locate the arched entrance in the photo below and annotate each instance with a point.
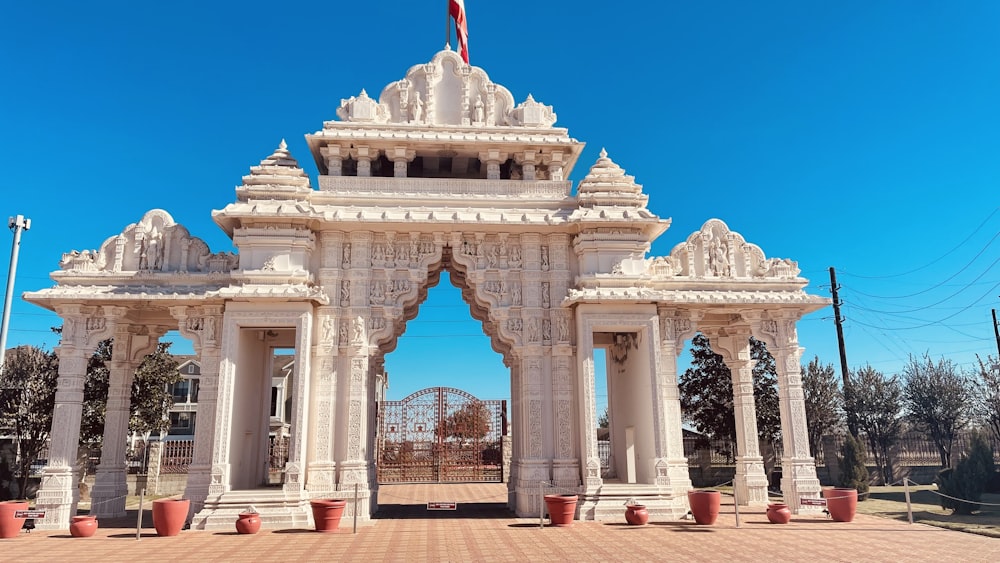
(441, 435)
(443, 172)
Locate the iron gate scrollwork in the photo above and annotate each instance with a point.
(440, 435)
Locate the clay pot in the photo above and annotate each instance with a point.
(779, 513)
(169, 515)
(705, 506)
(562, 509)
(327, 514)
(248, 523)
(841, 503)
(83, 526)
(636, 514)
(10, 527)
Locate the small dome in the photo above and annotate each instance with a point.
(278, 171)
(607, 185)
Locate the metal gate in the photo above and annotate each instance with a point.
(440, 435)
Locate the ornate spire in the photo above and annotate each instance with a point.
(278, 172)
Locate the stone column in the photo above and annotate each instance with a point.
(322, 466)
(555, 163)
(798, 469)
(58, 493)
(400, 156)
(192, 323)
(671, 466)
(493, 159)
(590, 458)
(533, 466)
(364, 156)
(527, 161)
(334, 155)
(128, 350)
(733, 344)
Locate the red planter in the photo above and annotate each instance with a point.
(10, 527)
(841, 503)
(248, 523)
(562, 509)
(169, 515)
(779, 513)
(327, 514)
(705, 506)
(636, 514)
(82, 526)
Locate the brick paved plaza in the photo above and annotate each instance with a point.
(482, 531)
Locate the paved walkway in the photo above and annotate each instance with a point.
(483, 531)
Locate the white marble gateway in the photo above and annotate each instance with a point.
(444, 171)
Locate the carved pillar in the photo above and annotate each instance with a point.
(128, 350)
(58, 493)
(364, 155)
(527, 161)
(322, 466)
(533, 467)
(400, 157)
(671, 466)
(334, 155)
(565, 464)
(493, 159)
(555, 163)
(733, 344)
(588, 405)
(204, 476)
(798, 469)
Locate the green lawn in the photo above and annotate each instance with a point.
(890, 502)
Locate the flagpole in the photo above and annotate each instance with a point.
(447, 24)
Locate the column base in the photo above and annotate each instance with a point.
(750, 483)
(57, 496)
(798, 481)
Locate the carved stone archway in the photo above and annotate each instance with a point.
(442, 172)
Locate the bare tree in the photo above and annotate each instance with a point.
(875, 401)
(937, 400)
(986, 394)
(824, 401)
(27, 398)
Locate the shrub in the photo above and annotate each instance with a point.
(967, 482)
(853, 471)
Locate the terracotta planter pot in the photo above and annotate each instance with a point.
(169, 515)
(705, 506)
(82, 526)
(10, 527)
(327, 514)
(778, 513)
(562, 509)
(248, 523)
(841, 503)
(636, 514)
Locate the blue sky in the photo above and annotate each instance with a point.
(860, 135)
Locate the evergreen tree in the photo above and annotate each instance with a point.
(986, 394)
(969, 478)
(706, 390)
(853, 471)
(27, 398)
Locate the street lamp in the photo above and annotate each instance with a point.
(16, 224)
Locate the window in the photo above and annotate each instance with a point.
(195, 386)
(182, 423)
(180, 390)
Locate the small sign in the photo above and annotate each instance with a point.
(29, 514)
(812, 501)
(442, 505)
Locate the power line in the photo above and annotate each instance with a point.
(938, 259)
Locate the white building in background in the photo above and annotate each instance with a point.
(443, 172)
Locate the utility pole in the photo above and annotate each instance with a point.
(996, 331)
(16, 224)
(839, 321)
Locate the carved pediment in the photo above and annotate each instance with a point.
(446, 91)
(154, 244)
(717, 252)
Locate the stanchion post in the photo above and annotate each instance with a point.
(736, 505)
(356, 508)
(906, 491)
(138, 522)
(541, 504)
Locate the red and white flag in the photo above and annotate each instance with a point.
(457, 10)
